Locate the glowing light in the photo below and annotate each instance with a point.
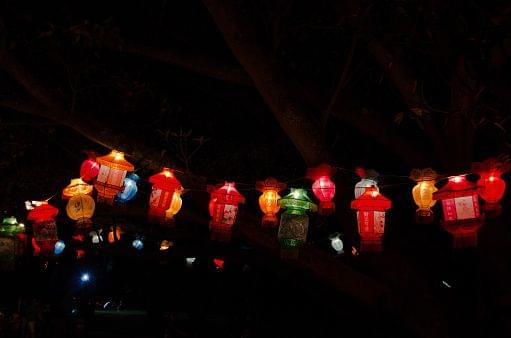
(223, 208)
(129, 190)
(85, 277)
(457, 179)
(268, 201)
(111, 176)
(165, 245)
(138, 244)
(165, 199)
(59, 247)
(190, 261)
(422, 193)
(94, 237)
(219, 263)
(337, 243)
(323, 187)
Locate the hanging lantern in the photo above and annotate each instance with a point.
(44, 228)
(130, 188)
(59, 247)
(323, 187)
(223, 208)
(423, 193)
(80, 208)
(494, 186)
(76, 186)
(111, 175)
(367, 179)
(138, 244)
(460, 204)
(165, 200)
(294, 222)
(89, 168)
(114, 236)
(12, 242)
(95, 237)
(337, 243)
(371, 207)
(165, 245)
(268, 201)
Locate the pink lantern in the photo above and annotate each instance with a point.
(323, 187)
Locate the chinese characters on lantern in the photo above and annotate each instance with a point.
(111, 175)
(223, 208)
(165, 199)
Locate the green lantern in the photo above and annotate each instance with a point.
(294, 222)
(12, 241)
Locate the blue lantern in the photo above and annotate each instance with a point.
(138, 244)
(59, 247)
(130, 188)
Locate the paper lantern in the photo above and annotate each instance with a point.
(138, 244)
(165, 245)
(165, 200)
(12, 242)
(76, 187)
(336, 243)
(111, 175)
(89, 169)
(422, 193)
(129, 190)
(95, 237)
(461, 215)
(44, 228)
(59, 247)
(371, 207)
(493, 186)
(323, 187)
(114, 236)
(268, 201)
(223, 208)
(294, 222)
(367, 179)
(80, 208)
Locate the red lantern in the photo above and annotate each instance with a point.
(89, 168)
(44, 228)
(460, 206)
(494, 186)
(371, 207)
(323, 187)
(111, 175)
(268, 201)
(223, 208)
(165, 200)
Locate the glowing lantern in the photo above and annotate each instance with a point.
(129, 190)
(190, 261)
(294, 222)
(138, 244)
(114, 236)
(223, 208)
(219, 263)
(59, 247)
(44, 228)
(494, 186)
(165, 245)
(89, 168)
(460, 204)
(336, 243)
(323, 187)
(268, 201)
(423, 193)
(76, 187)
(80, 208)
(371, 207)
(111, 175)
(165, 200)
(12, 241)
(95, 237)
(368, 179)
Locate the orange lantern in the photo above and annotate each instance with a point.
(223, 208)
(268, 201)
(323, 187)
(111, 175)
(460, 204)
(423, 193)
(493, 186)
(371, 207)
(114, 236)
(44, 228)
(76, 187)
(165, 200)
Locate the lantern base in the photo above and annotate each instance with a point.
(372, 245)
(289, 253)
(326, 208)
(424, 217)
(269, 221)
(492, 210)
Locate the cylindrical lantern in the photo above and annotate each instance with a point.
(268, 201)
(80, 208)
(371, 207)
(368, 178)
(423, 193)
(76, 187)
(89, 169)
(223, 208)
(294, 222)
(493, 186)
(165, 200)
(129, 190)
(12, 242)
(44, 228)
(323, 187)
(111, 175)
(460, 204)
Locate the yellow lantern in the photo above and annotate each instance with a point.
(81, 208)
(76, 186)
(175, 204)
(423, 193)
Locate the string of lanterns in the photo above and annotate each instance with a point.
(115, 183)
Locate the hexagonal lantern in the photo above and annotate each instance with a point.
(223, 208)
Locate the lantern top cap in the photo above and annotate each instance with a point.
(10, 226)
(457, 186)
(270, 184)
(297, 199)
(371, 199)
(319, 171)
(227, 189)
(115, 160)
(42, 212)
(165, 179)
(10, 221)
(426, 174)
(492, 166)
